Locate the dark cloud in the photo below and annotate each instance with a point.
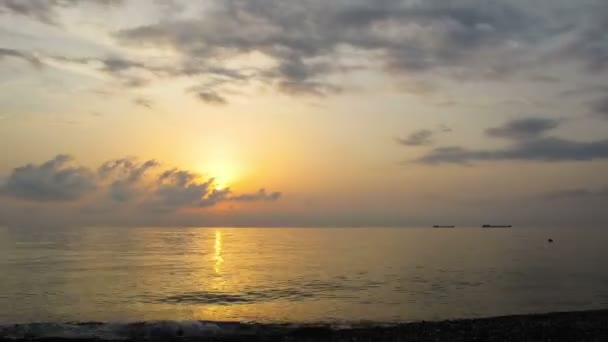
(46, 10)
(127, 182)
(28, 57)
(211, 97)
(577, 193)
(539, 149)
(54, 180)
(309, 88)
(527, 128)
(179, 188)
(586, 90)
(126, 175)
(261, 195)
(423, 137)
(129, 73)
(600, 107)
(306, 40)
(143, 102)
(589, 43)
(418, 138)
(304, 37)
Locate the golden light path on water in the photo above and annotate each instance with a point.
(217, 257)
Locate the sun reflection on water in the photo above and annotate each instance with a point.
(217, 257)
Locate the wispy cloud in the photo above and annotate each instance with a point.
(143, 102)
(46, 11)
(418, 138)
(423, 137)
(528, 142)
(527, 128)
(542, 149)
(577, 193)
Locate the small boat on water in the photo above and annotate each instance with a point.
(496, 226)
(443, 226)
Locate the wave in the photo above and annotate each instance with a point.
(311, 290)
(133, 331)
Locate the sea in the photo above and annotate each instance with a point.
(297, 275)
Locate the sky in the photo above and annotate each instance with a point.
(303, 112)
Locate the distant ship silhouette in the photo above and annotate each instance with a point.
(443, 226)
(496, 226)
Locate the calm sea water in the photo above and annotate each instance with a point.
(297, 275)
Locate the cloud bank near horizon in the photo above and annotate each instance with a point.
(148, 186)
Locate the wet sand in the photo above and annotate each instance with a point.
(569, 326)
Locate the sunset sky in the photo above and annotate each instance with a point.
(303, 112)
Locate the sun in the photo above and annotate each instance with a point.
(219, 184)
(224, 173)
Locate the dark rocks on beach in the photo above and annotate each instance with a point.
(573, 326)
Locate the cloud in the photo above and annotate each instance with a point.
(306, 38)
(126, 175)
(130, 73)
(527, 128)
(143, 102)
(600, 107)
(261, 195)
(307, 43)
(577, 193)
(178, 188)
(46, 10)
(54, 180)
(28, 57)
(418, 138)
(211, 97)
(423, 137)
(549, 149)
(588, 40)
(146, 186)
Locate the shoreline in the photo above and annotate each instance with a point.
(557, 326)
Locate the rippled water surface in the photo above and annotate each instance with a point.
(297, 275)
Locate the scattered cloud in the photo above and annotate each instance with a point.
(527, 128)
(423, 137)
(26, 56)
(306, 39)
(577, 193)
(261, 195)
(46, 10)
(308, 43)
(143, 102)
(538, 149)
(211, 97)
(418, 138)
(587, 41)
